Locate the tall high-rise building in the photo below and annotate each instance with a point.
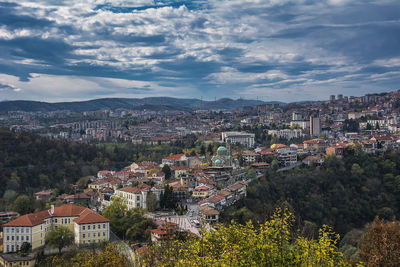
(332, 98)
(340, 97)
(315, 126)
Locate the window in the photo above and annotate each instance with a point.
(22, 238)
(83, 228)
(83, 236)
(88, 235)
(88, 227)
(62, 221)
(98, 226)
(27, 238)
(12, 238)
(104, 226)
(17, 230)
(8, 238)
(104, 233)
(55, 220)
(17, 238)
(138, 198)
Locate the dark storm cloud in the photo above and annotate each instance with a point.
(215, 47)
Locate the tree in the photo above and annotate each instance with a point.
(83, 182)
(23, 205)
(167, 171)
(116, 212)
(202, 150)
(210, 148)
(168, 200)
(60, 237)
(251, 174)
(130, 224)
(25, 247)
(108, 256)
(380, 246)
(271, 244)
(151, 202)
(274, 164)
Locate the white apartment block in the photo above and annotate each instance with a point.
(286, 133)
(242, 138)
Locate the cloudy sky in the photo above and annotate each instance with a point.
(268, 49)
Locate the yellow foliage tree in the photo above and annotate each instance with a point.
(272, 244)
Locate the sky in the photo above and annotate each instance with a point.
(271, 50)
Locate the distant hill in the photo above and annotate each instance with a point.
(151, 103)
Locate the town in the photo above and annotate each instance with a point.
(187, 191)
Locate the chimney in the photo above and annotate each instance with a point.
(52, 210)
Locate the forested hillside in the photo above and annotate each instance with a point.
(344, 193)
(29, 163)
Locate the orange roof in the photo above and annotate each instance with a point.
(91, 217)
(68, 210)
(175, 157)
(31, 219)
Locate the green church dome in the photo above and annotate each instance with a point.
(221, 148)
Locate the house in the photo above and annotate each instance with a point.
(136, 197)
(173, 159)
(44, 195)
(87, 225)
(202, 191)
(319, 144)
(82, 198)
(14, 259)
(104, 174)
(250, 156)
(335, 151)
(261, 166)
(318, 159)
(238, 189)
(164, 231)
(209, 214)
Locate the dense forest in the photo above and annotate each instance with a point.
(343, 193)
(30, 163)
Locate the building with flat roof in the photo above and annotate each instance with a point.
(243, 138)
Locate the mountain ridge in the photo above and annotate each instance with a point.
(159, 103)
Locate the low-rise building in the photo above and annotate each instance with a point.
(13, 259)
(33, 228)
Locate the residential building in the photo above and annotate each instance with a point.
(246, 139)
(315, 126)
(32, 228)
(136, 197)
(13, 259)
(286, 133)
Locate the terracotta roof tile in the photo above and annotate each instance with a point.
(91, 217)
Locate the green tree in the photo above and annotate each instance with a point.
(25, 247)
(23, 205)
(168, 200)
(83, 182)
(274, 164)
(251, 174)
(167, 171)
(60, 237)
(151, 202)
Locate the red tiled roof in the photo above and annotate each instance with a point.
(91, 217)
(31, 219)
(175, 157)
(68, 210)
